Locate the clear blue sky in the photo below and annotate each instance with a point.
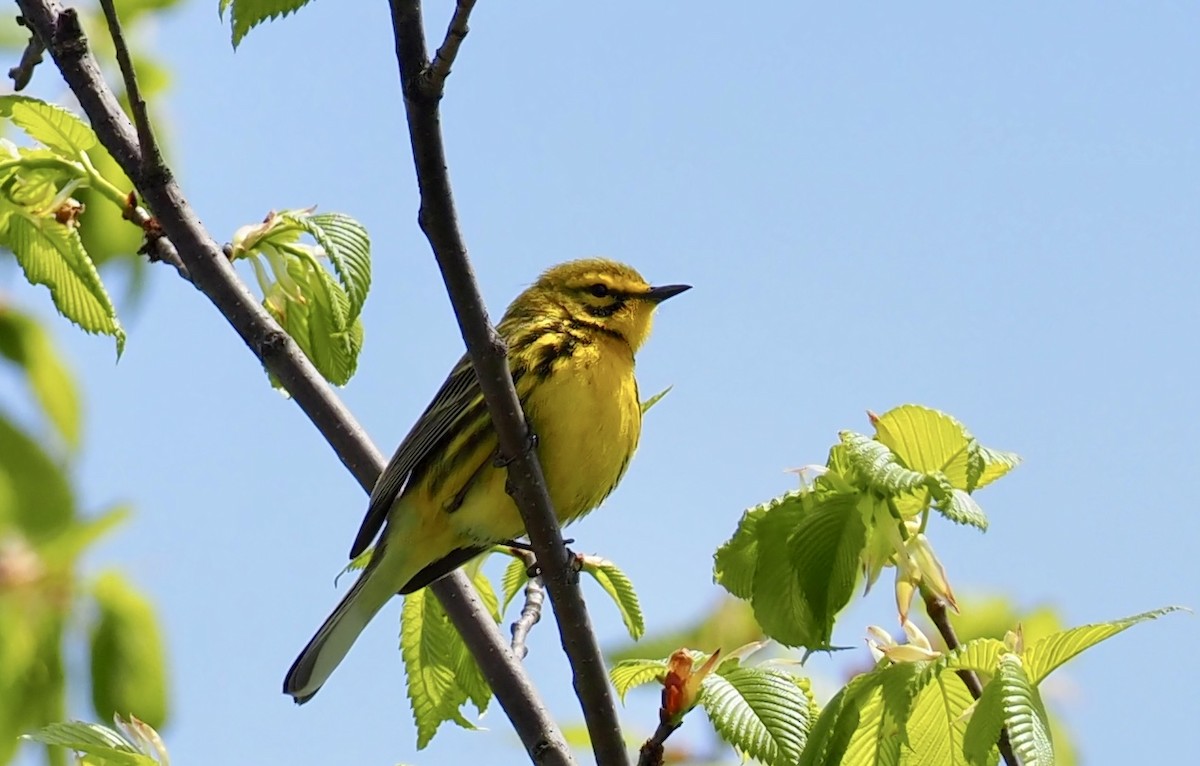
(993, 211)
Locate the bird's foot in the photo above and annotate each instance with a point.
(531, 442)
(574, 560)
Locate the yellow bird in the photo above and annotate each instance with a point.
(441, 501)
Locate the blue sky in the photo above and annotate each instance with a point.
(993, 211)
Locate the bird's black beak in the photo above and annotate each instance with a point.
(660, 294)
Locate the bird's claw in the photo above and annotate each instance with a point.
(531, 442)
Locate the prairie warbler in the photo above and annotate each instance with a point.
(441, 501)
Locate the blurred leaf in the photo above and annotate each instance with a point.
(620, 589)
(24, 342)
(128, 654)
(36, 496)
(248, 14)
(65, 549)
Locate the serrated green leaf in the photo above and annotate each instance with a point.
(49, 124)
(830, 735)
(317, 323)
(348, 248)
(979, 655)
(935, 723)
(103, 745)
(761, 712)
(878, 465)
(620, 589)
(128, 655)
(247, 14)
(628, 674)
(469, 676)
(961, 508)
(983, 728)
(1046, 655)
(735, 561)
(35, 495)
(441, 674)
(52, 254)
(646, 405)
(1024, 714)
(826, 549)
(927, 441)
(780, 606)
(516, 574)
(27, 344)
(996, 463)
(883, 708)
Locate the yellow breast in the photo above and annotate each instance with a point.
(588, 419)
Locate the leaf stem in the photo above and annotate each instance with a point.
(936, 609)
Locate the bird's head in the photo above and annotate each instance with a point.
(604, 294)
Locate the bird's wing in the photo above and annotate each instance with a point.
(455, 397)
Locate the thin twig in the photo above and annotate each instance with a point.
(439, 70)
(531, 612)
(936, 609)
(152, 161)
(651, 752)
(526, 483)
(213, 275)
(22, 73)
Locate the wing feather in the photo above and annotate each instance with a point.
(455, 397)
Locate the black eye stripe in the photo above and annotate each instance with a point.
(606, 311)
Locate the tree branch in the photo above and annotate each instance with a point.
(30, 58)
(152, 161)
(439, 70)
(439, 221)
(651, 752)
(212, 274)
(531, 612)
(936, 609)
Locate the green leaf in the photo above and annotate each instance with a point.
(627, 674)
(248, 14)
(35, 495)
(516, 574)
(983, 729)
(927, 441)
(830, 735)
(430, 648)
(980, 655)
(735, 561)
(1024, 714)
(78, 537)
(128, 654)
(317, 321)
(52, 254)
(1046, 655)
(959, 507)
(879, 466)
(760, 712)
(935, 725)
(619, 588)
(808, 564)
(104, 746)
(883, 708)
(348, 248)
(27, 344)
(468, 675)
(995, 464)
(646, 405)
(49, 124)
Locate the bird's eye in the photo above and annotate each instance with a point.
(599, 290)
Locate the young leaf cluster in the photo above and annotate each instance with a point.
(319, 309)
(764, 713)
(921, 712)
(797, 558)
(131, 743)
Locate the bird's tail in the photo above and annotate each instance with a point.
(335, 637)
